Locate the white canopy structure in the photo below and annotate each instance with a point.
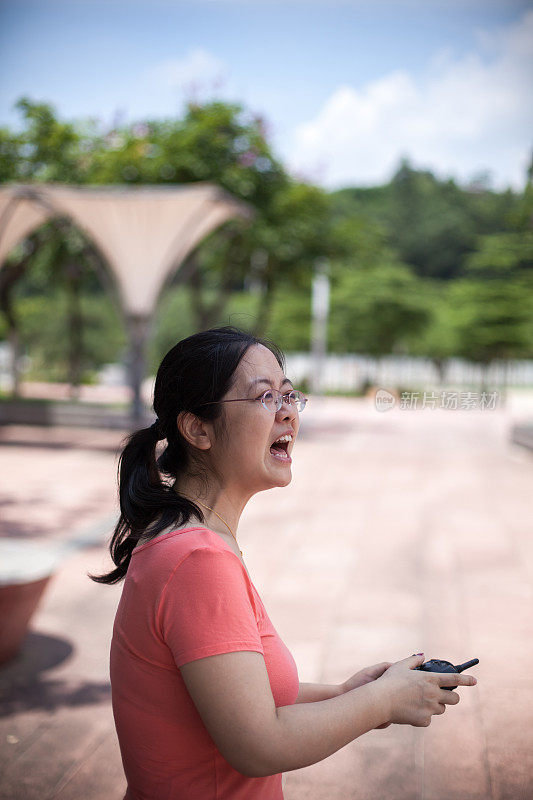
(143, 233)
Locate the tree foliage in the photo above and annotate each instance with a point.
(433, 225)
(418, 265)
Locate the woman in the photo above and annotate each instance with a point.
(206, 696)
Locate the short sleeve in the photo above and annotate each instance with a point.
(207, 607)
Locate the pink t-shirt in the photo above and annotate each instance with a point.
(186, 595)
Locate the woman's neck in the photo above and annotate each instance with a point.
(220, 510)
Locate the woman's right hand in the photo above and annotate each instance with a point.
(415, 695)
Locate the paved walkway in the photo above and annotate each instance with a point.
(401, 531)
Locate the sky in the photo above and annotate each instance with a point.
(348, 87)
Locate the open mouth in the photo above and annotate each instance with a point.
(280, 450)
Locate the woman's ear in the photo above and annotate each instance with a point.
(194, 430)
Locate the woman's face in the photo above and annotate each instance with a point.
(244, 458)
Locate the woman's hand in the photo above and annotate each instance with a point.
(365, 676)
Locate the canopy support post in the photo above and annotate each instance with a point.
(138, 328)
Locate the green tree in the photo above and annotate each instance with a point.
(46, 149)
(44, 321)
(437, 340)
(375, 311)
(416, 263)
(493, 320)
(431, 224)
(502, 255)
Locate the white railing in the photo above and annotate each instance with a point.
(351, 372)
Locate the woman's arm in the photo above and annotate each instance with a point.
(311, 692)
(310, 732)
(232, 694)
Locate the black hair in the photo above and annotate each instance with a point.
(199, 369)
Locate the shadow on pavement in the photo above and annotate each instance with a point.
(23, 688)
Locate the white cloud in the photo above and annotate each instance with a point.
(197, 71)
(466, 116)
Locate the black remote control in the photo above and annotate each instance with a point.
(437, 665)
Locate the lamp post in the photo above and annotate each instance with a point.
(319, 311)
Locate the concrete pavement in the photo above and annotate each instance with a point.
(402, 531)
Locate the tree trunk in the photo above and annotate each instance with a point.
(216, 309)
(265, 298)
(208, 314)
(503, 386)
(484, 376)
(75, 324)
(9, 276)
(14, 341)
(196, 285)
(440, 366)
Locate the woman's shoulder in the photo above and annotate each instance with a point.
(183, 539)
(193, 549)
(194, 556)
(184, 536)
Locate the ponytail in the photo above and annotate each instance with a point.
(144, 500)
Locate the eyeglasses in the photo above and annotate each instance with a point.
(271, 400)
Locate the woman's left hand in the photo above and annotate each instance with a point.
(367, 675)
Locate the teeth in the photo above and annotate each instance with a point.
(286, 438)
